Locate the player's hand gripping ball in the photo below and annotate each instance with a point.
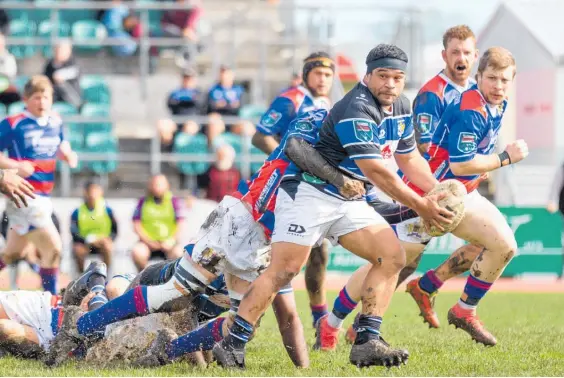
(453, 201)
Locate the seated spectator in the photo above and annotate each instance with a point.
(64, 73)
(244, 128)
(182, 24)
(225, 97)
(120, 23)
(214, 128)
(184, 101)
(295, 82)
(222, 177)
(8, 70)
(4, 22)
(157, 221)
(93, 227)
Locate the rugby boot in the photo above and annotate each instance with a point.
(350, 335)
(425, 302)
(227, 356)
(326, 337)
(156, 355)
(67, 339)
(377, 352)
(77, 289)
(468, 321)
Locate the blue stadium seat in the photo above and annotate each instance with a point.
(101, 142)
(88, 30)
(98, 111)
(197, 145)
(20, 82)
(22, 28)
(46, 30)
(64, 108)
(95, 90)
(16, 107)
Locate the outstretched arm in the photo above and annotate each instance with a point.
(291, 329)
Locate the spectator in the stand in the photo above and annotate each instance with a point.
(93, 227)
(121, 23)
(64, 73)
(222, 177)
(244, 128)
(214, 128)
(8, 70)
(556, 198)
(184, 101)
(225, 97)
(157, 221)
(183, 24)
(4, 22)
(295, 82)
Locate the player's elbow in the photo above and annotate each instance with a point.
(292, 148)
(258, 139)
(459, 169)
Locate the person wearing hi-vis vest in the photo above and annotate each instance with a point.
(157, 220)
(93, 227)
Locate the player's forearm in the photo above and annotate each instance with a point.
(292, 332)
(309, 160)
(7, 163)
(265, 143)
(417, 170)
(390, 183)
(478, 165)
(65, 150)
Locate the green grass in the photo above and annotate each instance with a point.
(529, 329)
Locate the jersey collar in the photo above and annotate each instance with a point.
(459, 88)
(41, 121)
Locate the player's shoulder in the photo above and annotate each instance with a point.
(402, 106)
(296, 95)
(14, 120)
(357, 103)
(436, 86)
(473, 101)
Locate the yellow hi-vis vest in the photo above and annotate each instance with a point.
(158, 220)
(94, 222)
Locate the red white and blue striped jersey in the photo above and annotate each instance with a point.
(431, 102)
(261, 189)
(37, 141)
(468, 127)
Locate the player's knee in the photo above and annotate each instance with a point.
(286, 274)
(115, 288)
(392, 260)
(6, 332)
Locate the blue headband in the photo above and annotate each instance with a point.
(391, 63)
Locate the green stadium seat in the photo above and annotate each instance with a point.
(64, 108)
(98, 111)
(16, 107)
(101, 142)
(197, 145)
(43, 14)
(88, 30)
(95, 90)
(252, 112)
(229, 138)
(21, 14)
(46, 30)
(20, 82)
(22, 29)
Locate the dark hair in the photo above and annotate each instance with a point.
(385, 50)
(90, 184)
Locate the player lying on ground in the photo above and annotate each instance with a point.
(317, 73)
(247, 218)
(34, 140)
(29, 320)
(372, 120)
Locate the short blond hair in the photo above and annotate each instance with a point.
(461, 32)
(498, 58)
(37, 83)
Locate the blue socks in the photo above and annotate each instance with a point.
(49, 279)
(202, 338)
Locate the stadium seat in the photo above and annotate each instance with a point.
(20, 14)
(22, 29)
(64, 108)
(3, 111)
(197, 145)
(46, 30)
(252, 112)
(236, 142)
(88, 30)
(16, 107)
(42, 14)
(95, 90)
(101, 142)
(97, 111)
(20, 82)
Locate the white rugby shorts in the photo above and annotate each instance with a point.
(36, 215)
(313, 215)
(230, 241)
(30, 308)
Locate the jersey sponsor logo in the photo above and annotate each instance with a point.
(467, 142)
(311, 179)
(296, 229)
(271, 118)
(304, 126)
(387, 152)
(401, 127)
(363, 131)
(424, 122)
(272, 180)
